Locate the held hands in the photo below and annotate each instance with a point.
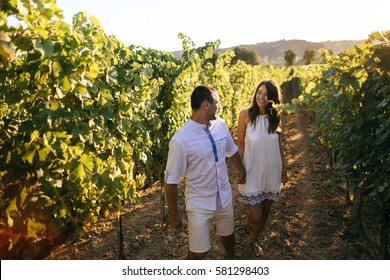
(241, 176)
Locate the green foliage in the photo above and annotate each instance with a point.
(85, 121)
(67, 147)
(350, 101)
(348, 97)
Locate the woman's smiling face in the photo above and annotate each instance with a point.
(262, 96)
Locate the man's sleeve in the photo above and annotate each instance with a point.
(176, 163)
(231, 147)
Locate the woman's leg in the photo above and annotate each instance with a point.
(258, 216)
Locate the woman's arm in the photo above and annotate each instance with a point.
(284, 162)
(241, 131)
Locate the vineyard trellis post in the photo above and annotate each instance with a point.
(120, 239)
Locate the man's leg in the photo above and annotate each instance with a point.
(229, 243)
(198, 233)
(196, 256)
(224, 219)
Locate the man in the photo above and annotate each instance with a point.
(197, 152)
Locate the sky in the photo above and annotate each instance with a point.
(157, 23)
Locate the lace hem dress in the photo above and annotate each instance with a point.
(263, 163)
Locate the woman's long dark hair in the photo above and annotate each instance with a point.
(274, 96)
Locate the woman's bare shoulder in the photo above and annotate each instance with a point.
(244, 113)
(243, 119)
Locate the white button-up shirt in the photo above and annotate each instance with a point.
(191, 155)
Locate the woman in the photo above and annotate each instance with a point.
(260, 148)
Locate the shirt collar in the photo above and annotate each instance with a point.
(197, 125)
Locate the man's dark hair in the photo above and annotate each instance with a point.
(200, 94)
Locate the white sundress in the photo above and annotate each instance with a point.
(263, 164)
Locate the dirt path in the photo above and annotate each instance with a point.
(311, 222)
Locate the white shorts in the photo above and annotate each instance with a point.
(199, 226)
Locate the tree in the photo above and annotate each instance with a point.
(290, 57)
(309, 56)
(250, 57)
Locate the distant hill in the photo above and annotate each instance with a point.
(273, 52)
